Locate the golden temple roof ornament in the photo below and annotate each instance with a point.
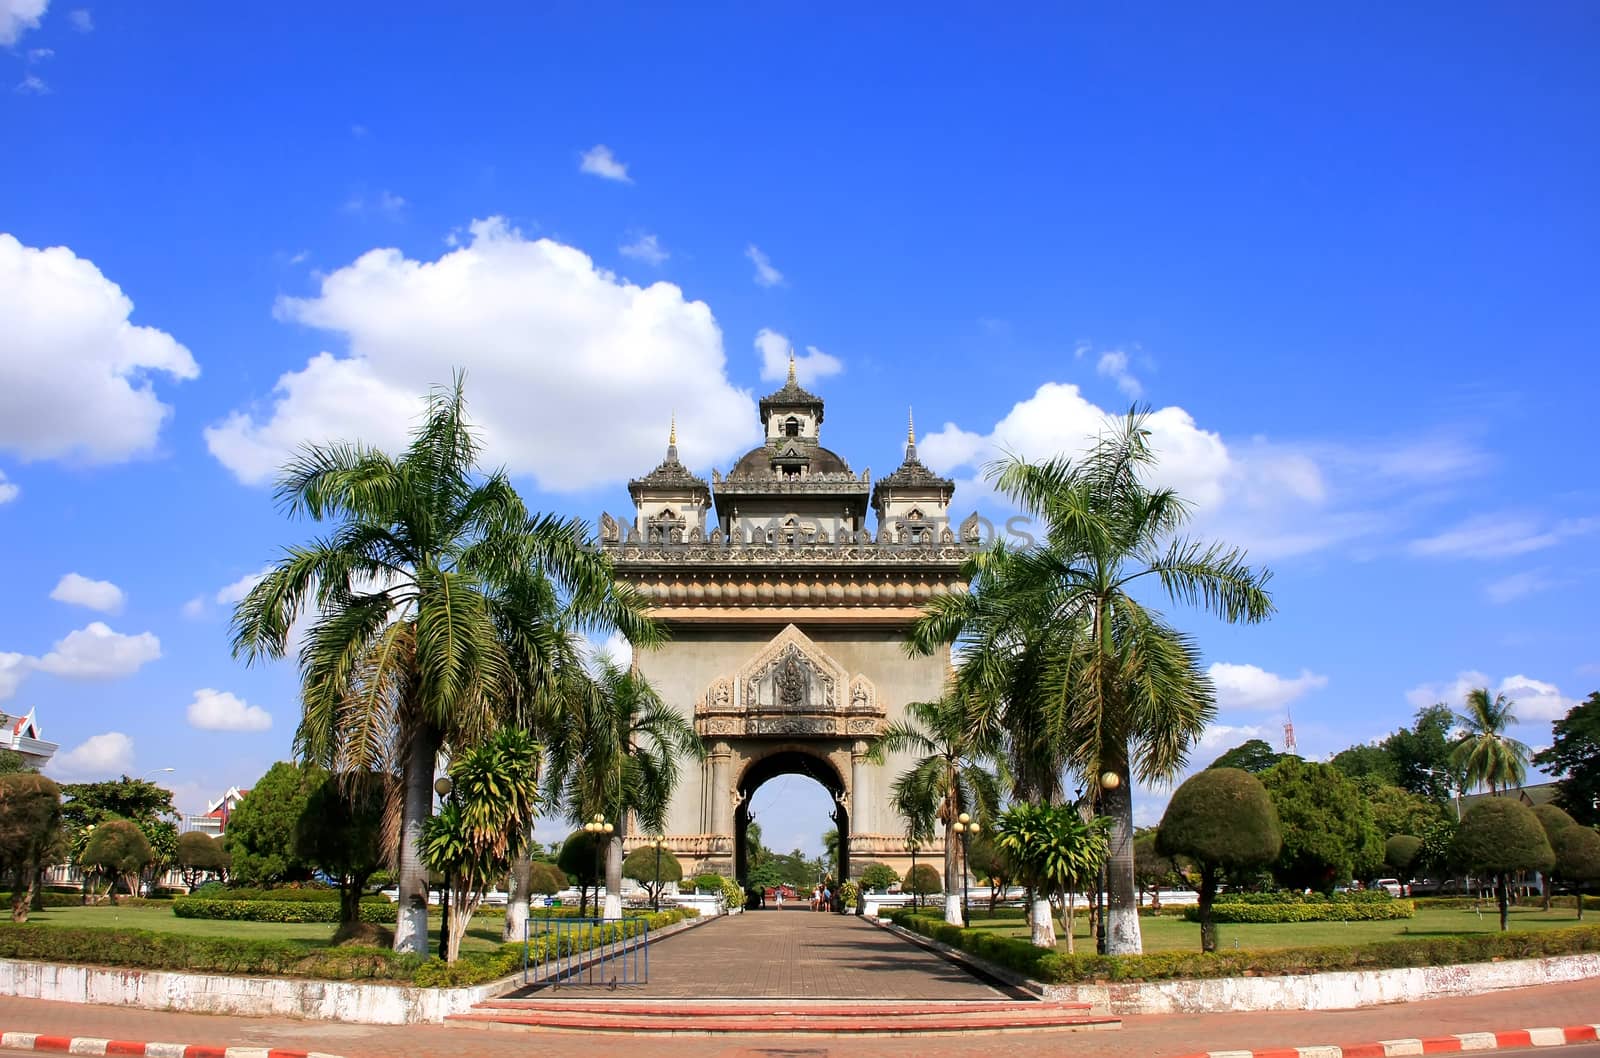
(911, 427)
(672, 438)
(792, 381)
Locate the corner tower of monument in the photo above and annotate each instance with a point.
(788, 614)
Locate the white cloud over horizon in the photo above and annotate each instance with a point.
(1502, 536)
(78, 590)
(214, 710)
(18, 17)
(103, 756)
(645, 247)
(599, 161)
(1254, 688)
(9, 490)
(1537, 701)
(76, 377)
(96, 652)
(809, 367)
(532, 320)
(766, 275)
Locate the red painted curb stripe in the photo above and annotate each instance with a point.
(1440, 1044)
(1364, 1050)
(195, 1050)
(52, 1043)
(1279, 1052)
(123, 1047)
(1520, 1038)
(1580, 1033)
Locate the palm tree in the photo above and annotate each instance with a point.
(1485, 755)
(404, 653)
(1068, 662)
(949, 777)
(615, 755)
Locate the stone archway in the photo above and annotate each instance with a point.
(789, 759)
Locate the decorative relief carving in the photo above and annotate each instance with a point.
(790, 687)
(610, 532)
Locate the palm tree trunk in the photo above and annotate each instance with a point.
(411, 929)
(952, 880)
(613, 907)
(1123, 936)
(517, 906)
(1042, 922)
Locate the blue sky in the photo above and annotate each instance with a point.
(1348, 256)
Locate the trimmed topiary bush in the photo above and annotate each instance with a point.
(1500, 836)
(1227, 910)
(1577, 852)
(1222, 820)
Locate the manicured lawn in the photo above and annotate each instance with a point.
(483, 935)
(1174, 934)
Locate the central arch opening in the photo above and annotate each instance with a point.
(774, 765)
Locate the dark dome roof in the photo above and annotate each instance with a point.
(758, 461)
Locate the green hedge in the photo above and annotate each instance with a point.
(381, 912)
(295, 896)
(147, 950)
(1054, 967)
(1324, 911)
(1292, 896)
(1469, 903)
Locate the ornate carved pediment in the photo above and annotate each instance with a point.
(790, 687)
(610, 532)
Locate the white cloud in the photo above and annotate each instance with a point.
(19, 16)
(530, 321)
(1536, 700)
(1251, 687)
(75, 375)
(14, 669)
(78, 590)
(599, 161)
(646, 248)
(1520, 585)
(383, 203)
(214, 710)
(82, 21)
(195, 608)
(32, 85)
(1501, 536)
(229, 594)
(8, 490)
(1274, 499)
(41, 54)
(809, 366)
(97, 757)
(1113, 364)
(95, 652)
(766, 275)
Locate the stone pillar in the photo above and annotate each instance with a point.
(862, 803)
(722, 790)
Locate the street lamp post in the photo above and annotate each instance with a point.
(965, 826)
(443, 787)
(599, 828)
(1108, 781)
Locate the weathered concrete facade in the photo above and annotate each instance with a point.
(788, 616)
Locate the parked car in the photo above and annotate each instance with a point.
(1393, 886)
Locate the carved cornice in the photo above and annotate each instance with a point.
(717, 590)
(940, 550)
(790, 687)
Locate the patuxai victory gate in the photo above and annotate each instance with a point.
(788, 612)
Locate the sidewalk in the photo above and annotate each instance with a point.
(1146, 1037)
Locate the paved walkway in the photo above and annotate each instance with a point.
(796, 954)
(1140, 1037)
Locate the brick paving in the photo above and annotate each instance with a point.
(795, 954)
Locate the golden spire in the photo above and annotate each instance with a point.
(911, 427)
(791, 366)
(672, 438)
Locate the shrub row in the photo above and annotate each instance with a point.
(215, 891)
(1326, 911)
(1059, 968)
(1292, 896)
(54, 898)
(381, 912)
(1470, 903)
(507, 959)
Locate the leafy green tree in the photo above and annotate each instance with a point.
(1398, 811)
(1254, 756)
(200, 854)
(1364, 761)
(768, 875)
(1421, 755)
(618, 755)
(422, 595)
(11, 761)
(991, 863)
(340, 832)
(923, 880)
(1328, 833)
(881, 876)
(30, 821)
(1065, 658)
(493, 798)
(142, 802)
(1056, 852)
(577, 861)
(1485, 755)
(1400, 852)
(1501, 837)
(1554, 821)
(117, 851)
(1574, 758)
(1437, 855)
(1223, 820)
(263, 830)
(545, 878)
(950, 776)
(641, 865)
(1577, 852)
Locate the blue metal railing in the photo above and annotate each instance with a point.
(586, 951)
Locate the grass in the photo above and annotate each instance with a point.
(482, 935)
(1174, 934)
